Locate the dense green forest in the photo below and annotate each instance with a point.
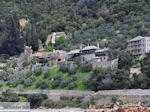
(83, 21)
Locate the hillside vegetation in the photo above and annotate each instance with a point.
(112, 22)
(53, 79)
(84, 20)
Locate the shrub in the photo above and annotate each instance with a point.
(70, 79)
(86, 67)
(64, 67)
(120, 102)
(74, 78)
(55, 84)
(38, 72)
(86, 81)
(58, 77)
(36, 99)
(60, 40)
(1, 83)
(4, 76)
(25, 63)
(114, 99)
(42, 84)
(27, 82)
(72, 85)
(46, 74)
(15, 79)
(65, 83)
(57, 80)
(34, 60)
(50, 48)
(72, 71)
(33, 78)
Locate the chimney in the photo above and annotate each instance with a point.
(88, 44)
(98, 43)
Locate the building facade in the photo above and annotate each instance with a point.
(139, 46)
(98, 57)
(88, 53)
(72, 54)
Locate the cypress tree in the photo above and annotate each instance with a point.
(15, 43)
(34, 40)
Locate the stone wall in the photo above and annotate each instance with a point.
(104, 64)
(54, 95)
(101, 98)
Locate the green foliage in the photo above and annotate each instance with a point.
(72, 71)
(50, 48)
(43, 35)
(57, 80)
(64, 67)
(60, 40)
(120, 102)
(13, 44)
(86, 67)
(38, 71)
(143, 80)
(125, 60)
(4, 76)
(72, 85)
(46, 74)
(50, 43)
(65, 83)
(110, 79)
(27, 82)
(36, 99)
(87, 20)
(25, 63)
(9, 96)
(53, 79)
(41, 84)
(145, 64)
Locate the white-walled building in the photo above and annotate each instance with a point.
(139, 45)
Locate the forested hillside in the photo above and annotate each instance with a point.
(83, 21)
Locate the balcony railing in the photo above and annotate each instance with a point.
(135, 48)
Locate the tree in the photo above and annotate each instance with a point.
(145, 65)
(43, 35)
(84, 11)
(27, 34)
(46, 74)
(57, 80)
(15, 42)
(34, 40)
(36, 99)
(125, 60)
(41, 84)
(108, 79)
(38, 71)
(30, 36)
(72, 85)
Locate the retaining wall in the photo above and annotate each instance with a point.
(100, 98)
